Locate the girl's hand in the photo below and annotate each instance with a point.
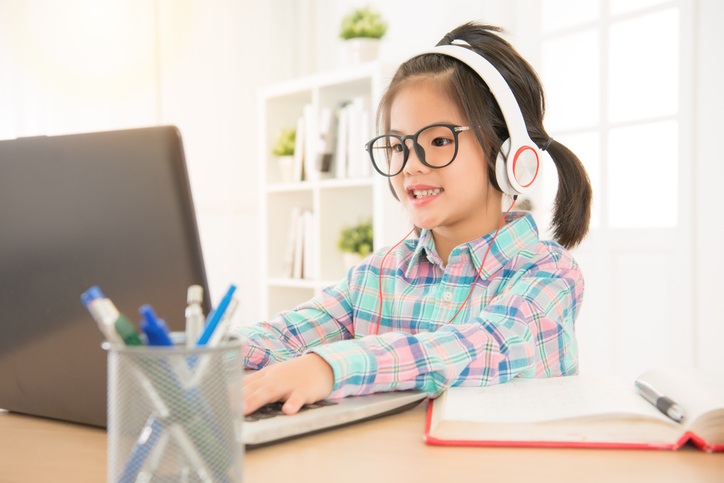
(304, 380)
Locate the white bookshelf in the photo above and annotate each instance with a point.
(333, 202)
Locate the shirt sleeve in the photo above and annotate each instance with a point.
(324, 319)
(526, 330)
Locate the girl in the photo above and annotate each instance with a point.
(477, 298)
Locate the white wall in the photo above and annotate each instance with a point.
(75, 65)
(707, 163)
(92, 65)
(213, 58)
(412, 26)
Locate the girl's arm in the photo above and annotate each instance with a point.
(325, 318)
(527, 330)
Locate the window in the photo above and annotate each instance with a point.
(611, 72)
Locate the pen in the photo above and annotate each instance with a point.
(114, 325)
(222, 330)
(216, 315)
(194, 314)
(149, 436)
(217, 338)
(154, 328)
(662, 403)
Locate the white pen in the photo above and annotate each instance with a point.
(662, 403)
(194, 315)
(218, 338)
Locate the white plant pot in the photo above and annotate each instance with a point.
(286, 168)
(361, 50)
(351, 259)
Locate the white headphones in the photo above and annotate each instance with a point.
(515, 174)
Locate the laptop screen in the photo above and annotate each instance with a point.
(112, 209)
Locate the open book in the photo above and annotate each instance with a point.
(582, 411)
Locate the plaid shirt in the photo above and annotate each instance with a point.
(519, 321)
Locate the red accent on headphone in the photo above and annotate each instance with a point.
(537, 165)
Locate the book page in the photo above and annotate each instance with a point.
(696, 390)
(538, 400)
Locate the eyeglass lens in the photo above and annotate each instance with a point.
(434, 146)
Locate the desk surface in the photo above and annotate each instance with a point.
(386, 449)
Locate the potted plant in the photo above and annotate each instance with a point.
(283, 149)
(355, 242)
(363, 28)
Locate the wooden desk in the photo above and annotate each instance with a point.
(384, 450)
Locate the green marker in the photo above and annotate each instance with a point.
(128, 333)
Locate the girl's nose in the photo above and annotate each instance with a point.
(414, 165)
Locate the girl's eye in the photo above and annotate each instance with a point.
(397, 148)
(440, 142)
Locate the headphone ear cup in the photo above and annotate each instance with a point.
(501, 170)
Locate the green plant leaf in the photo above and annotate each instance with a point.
(363, 22)
(357, 238)
(284, 145)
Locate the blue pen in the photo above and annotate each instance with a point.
(154, 328)
(215, 316)
(148, 438)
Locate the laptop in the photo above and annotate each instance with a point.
(269, 425)
(112, 209)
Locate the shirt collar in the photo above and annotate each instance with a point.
(519, 231)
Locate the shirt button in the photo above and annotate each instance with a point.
(447, 296)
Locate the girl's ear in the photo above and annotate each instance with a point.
(492, 179)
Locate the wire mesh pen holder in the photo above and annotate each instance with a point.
(174, 413)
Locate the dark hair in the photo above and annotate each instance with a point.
(465, 88)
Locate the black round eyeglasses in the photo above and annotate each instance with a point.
(435, 145)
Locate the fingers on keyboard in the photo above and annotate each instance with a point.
(275, 409)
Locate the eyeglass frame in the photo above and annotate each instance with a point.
(456, 130)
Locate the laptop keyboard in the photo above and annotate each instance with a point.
(275, 409)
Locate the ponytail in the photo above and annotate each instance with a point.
(572, 206)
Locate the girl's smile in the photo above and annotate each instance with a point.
(421, 193)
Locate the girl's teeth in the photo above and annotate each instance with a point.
(422, 193)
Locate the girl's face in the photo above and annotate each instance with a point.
(457, 201)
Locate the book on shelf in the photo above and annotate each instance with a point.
(340, 154)
(587, 411)
(297, 271)
(298, 163)
(289, 268)
(299, 258)
(358, 133)
(353, 131)
(311, 142)
(326, 141)
(308, 260)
